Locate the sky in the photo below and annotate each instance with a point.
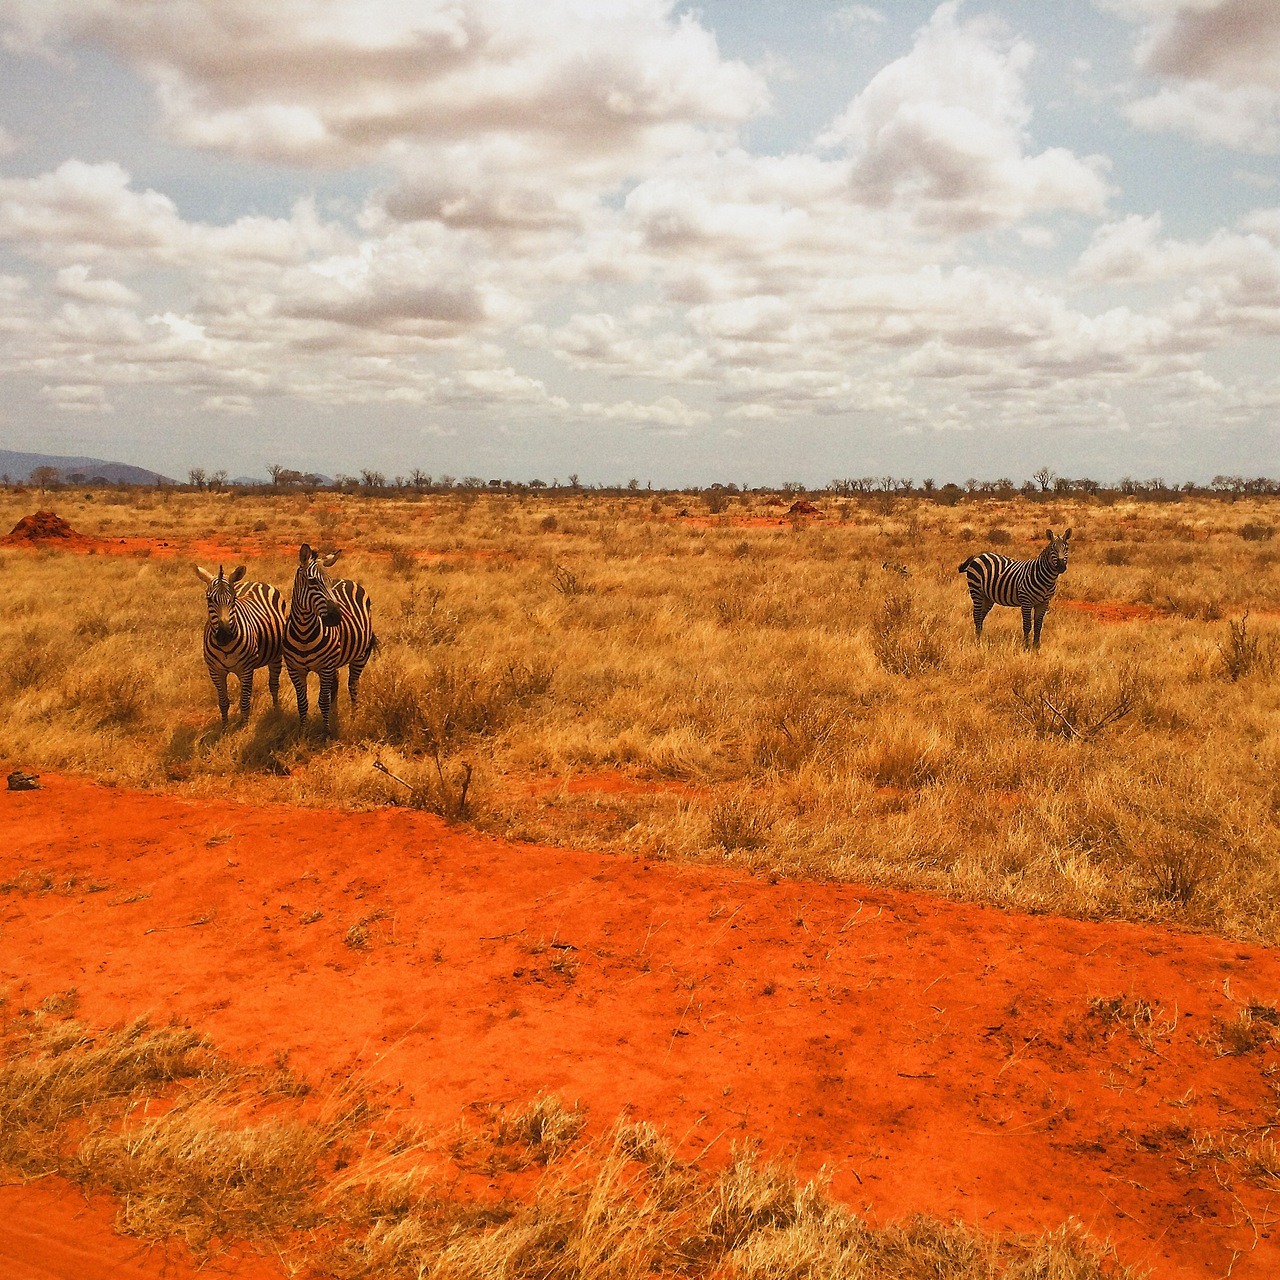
(737, 241)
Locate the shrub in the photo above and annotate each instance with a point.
(1243, 654)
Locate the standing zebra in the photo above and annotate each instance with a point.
(329, 627)
(245, 631)
(1024, 584)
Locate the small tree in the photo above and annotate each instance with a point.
(274, 471)
(196, 477)
(1044, 478)
(218, 480)
(45, 476)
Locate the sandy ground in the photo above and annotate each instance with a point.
(933, 1056)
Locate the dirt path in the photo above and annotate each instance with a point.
(934, 1056)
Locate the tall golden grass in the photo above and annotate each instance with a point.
(813, 686)
(204, 1150)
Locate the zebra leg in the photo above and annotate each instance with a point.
(1039, 623)
(219, 679)
(273, 681)
(299, 679)
(246, 695)
(1026, 627)
(354, 672)
(981, 607)
(328, 696)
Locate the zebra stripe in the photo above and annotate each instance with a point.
(329, 627)
(245, 631)
(1022, 584)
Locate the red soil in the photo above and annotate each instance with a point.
(206, 551)
(608, 783)
(49, 1231)
(733, 522)
(935, 1056)
(1113, 610)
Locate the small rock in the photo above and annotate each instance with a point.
(19, 781)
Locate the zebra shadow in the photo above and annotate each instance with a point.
(272, 745)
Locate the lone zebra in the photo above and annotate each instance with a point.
(1023, 584)
(245, 631)
(329, 627)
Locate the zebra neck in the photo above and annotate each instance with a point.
(304, 622)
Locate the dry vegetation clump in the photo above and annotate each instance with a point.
(801, 696)
(194, 1148)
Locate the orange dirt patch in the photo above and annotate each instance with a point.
(608, 783)
(49, 1231)
(934, 1056)
(733, 522)
(204, 551)
(1113, 610)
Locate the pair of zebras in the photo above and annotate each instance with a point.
(325, 626)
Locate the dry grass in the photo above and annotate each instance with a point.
(196, 1148)
(826, 715)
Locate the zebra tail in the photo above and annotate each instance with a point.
(375, 643)
(964, 568)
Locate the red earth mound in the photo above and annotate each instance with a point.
(44, 526)
(934, 1056)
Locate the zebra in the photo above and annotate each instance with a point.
(1024, 584)
(245, 631)
(329, 627)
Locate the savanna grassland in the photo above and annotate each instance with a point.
(799, 695)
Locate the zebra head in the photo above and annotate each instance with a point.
(312, 589)
(1057, 551)
(220, 599)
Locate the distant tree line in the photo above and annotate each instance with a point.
(1042, 484)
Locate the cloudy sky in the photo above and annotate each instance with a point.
(735, 240)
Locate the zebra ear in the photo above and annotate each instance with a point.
(205, 576)
(237, 573)
(1048, 533)
(330, 558)
(304, 554)
(1066, 537)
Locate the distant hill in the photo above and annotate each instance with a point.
(19, 466)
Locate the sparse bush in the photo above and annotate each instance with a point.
(1252, 532)
(1256, 1026)
(1244, 654)
(739, 822)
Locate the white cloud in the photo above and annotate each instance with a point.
(342, 82)
(858, 16)
(943, 131)
(1220, 64)
(74, 282)
(668, 411)
(77, 397)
